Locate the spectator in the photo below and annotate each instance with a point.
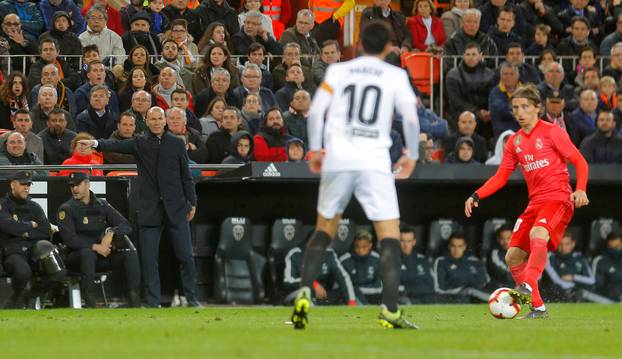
(417, 278)
(217, 57)
(608, 269)
(27, 13)
(426, 30)
(546, 58)
(252, 116)
(554, 110)
(97, 119)
(142, 101)
(568, 271)
(466, 127)
(459, 274)
(301, 35)
(241, 149)
(497, 268)
(583, 119)
(128, 11)
(591, 80)
(163, 89)
(216, 33)
(613, 38)
(69, 43)
(220, 10)
(23, 124)
(83, 155)
(170, 58)
(578, 39)
(402, 38)
(579, 8)
(463, 152)
(329, 55)
(607, 99)
(329, 18)
(297, 114)
(468, 86)
(497, 156)
(14, 95)
(269, 142)
(126, 128)
(219, 143)
(426, 149)
(257, 55)
(66, 98)
(56, 138)
(499, 101)
(48, 52)
(602, 146)
(18, 42)
(114, 16)
(452, 19)
(219, 86)
(140, 34)
(252, 32)
(470, 32)
(138, 80)
(96, 75)
(502, 33)
(251, 83)
(47, 100)
(554, 81)
(212, 119)
(587, 60)
(490, 14)
(614, 69)
(255, 5)
(363, 265)
(188, 50)
(429, 122)
(159, 21)
(15, 153)
(178, 9)
(177, 125)
(541, 41)
(90, 53)
(181, 98)
(537, 13)
(50, 7)
(527, 72)
(296, 151)
(294, 81)
(617, 113)
(291, 56)
(108, 42)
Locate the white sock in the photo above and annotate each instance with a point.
(541, 308)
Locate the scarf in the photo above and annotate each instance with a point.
(166, 94)
(188, 57)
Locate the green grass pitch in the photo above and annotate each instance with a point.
(447, 331)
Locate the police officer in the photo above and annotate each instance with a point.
(24, 227)
(608, 268)
(96, 235)
(363, 265)
(416, 278)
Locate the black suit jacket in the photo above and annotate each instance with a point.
(163, 176)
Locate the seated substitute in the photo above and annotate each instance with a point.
(497, 268)
(332, 286)
(416, 278)
(97, 236)
(24, 239)
(608, 269)
(363, 265)
(460, 275)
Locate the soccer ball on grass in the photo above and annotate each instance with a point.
(502, 305)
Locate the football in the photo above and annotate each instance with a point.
(502, 305)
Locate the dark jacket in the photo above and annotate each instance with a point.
(296, 125)
(454, 156)
(113, 157)
(285, 95)
(458, 41)
(40, 119)
(149, 40)
(308, 45)
(29, 15)
(82, 96)
(364, 272)
(78, 23)
(218, 146)
(195, 25)
(401, 35)
(28, 158)
(280, 72)
(416, 275)
(82, 225)
(480, 149)
(266, 96)
(100, 127)
(567, 47)
(225, 14)
(613, 72)
(30, 47)
(491, 12)
(200, 155)
(608, 42)
(16, 217)
(66, 98)
(71, 77)
(164, 181)
(454, 274)
(565, 17)
(56, 148)
(608, 272)
(468, 88)
(533, 18)
(503, 39)
(575, 264)
(528, 73)
(582, 126)
(566, 91)
(498, 269)
(203, 98)
(501, 114)
(68, 41)
(241, 42)
(598, 148)
(234, 157)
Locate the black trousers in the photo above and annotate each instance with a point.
(21, 270)
(87, 262)
(149, 255)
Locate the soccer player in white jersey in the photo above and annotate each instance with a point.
(358, 99)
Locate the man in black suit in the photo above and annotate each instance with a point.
(166, 197)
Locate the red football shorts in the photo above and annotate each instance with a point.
(553, 215)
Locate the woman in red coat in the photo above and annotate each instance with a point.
(427, 30)
(83, 156)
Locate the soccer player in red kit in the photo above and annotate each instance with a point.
(541, 149)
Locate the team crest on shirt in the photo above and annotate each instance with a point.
(539, 144)
(518, 150)
(517, 140)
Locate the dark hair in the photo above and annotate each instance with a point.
(514, 45)
(181, 91)
(170, 40)
(127, 85)
(582, 19)
(90, 48)
(5, 88)
(56, 111)
(456, 235)
(591, 69)
(206, 65)
(212, 103)
(271, 109)
(472, 45)
(22, 111)
(502, 228)
(612, 236)
(127, 113)
(507, 8)
(179, 22)
(545, 52)
(375, 36)
(588, 49)
(209, 32)
(406, 228)
(234, 109)
(49, 40)
(256, 46)
(90, 66)
(331, 42)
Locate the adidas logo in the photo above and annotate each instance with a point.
(271, 171)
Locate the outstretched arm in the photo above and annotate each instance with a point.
(491, 186)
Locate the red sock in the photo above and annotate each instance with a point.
(535, 267)
(518, 273)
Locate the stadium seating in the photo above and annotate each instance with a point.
(439, 233)
(238, 270)
(599, 229)
(345, 235)
(488, 236)
(287, 233)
